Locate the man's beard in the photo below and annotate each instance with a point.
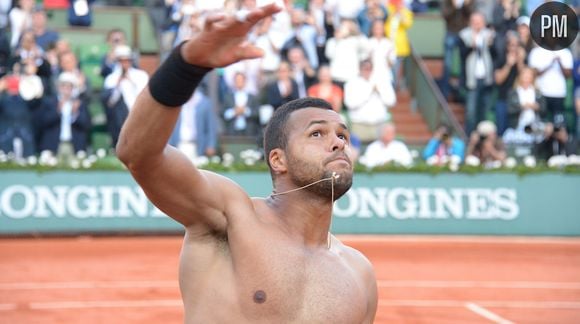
(303, 174)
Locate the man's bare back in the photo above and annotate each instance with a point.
(244, 260)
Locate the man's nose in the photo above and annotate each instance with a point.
(338, 143)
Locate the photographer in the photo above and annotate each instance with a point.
(485, 145)
(556, 142)
(443, 146)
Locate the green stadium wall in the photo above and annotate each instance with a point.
(85, 202)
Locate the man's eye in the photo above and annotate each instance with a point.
(315, 134)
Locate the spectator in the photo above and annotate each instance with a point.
(526, 106)
(5, 53)
(321, 18)
(345, 9)
(444, 147)
(120, 90)
(373, 10)
(16, 118)
(30, 52)
(70, 64)
(386, 149)
(302, 35)
(241, 109)
(485, 7)
(115, 37)
(382, 53)
(44, 36)
(20, 20)
(270, 41)
(478, 69)
(206, 127)
(345, 51)
(456, 14)
(556, 142)
(190, 21)
(526, 103)
(326, 89)
(80, 13)
(66, 122)
(485, 145)
(506, 71)
(302, 72)
(282, 90)
(523, 29)
(31, 87)
(505, 14)
(5, 6)
(368, 101)
(399, 21)
(53, 54)
(552, 69)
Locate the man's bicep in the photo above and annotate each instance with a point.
(186, 194)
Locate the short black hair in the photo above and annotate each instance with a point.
(275, 135)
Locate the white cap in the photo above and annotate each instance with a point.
(123, 51)
(486, 127)
(525, 20)
(68, 77)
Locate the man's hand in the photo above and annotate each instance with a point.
(223, 39)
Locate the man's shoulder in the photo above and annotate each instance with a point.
(360, 263)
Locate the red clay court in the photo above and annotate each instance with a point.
(420, 279)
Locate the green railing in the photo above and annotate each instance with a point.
(426, 98)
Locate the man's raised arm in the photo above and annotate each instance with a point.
(168, 178)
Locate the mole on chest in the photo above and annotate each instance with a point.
(259, 297)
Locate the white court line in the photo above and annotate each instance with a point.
(487, 314)
(485, 303)
(479, 284)
(556, 285)
(383, 303)
(7, 307)
(542, 240)
(107, 304)
(87, 285)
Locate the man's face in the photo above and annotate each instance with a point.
(318, 145)
(388, 134)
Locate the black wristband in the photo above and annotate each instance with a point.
(175, 80)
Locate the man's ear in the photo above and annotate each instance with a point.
(278, 161)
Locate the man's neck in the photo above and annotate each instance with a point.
(305, 216)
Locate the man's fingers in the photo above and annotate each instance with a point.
(258, 14)
(213, 19)
(248, 51)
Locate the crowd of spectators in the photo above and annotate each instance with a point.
(512, 88)
(349, 52)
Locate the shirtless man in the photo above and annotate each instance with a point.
(252, 260)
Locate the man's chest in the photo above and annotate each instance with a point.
(317, 290)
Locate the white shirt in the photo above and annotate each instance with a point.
(129, 87)
(65, 122)
(270, 43)
(551, 83)
(382, 52)
(365, 105)
(20, 21)
(345, 55)
(377, 154)
(241, 100)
